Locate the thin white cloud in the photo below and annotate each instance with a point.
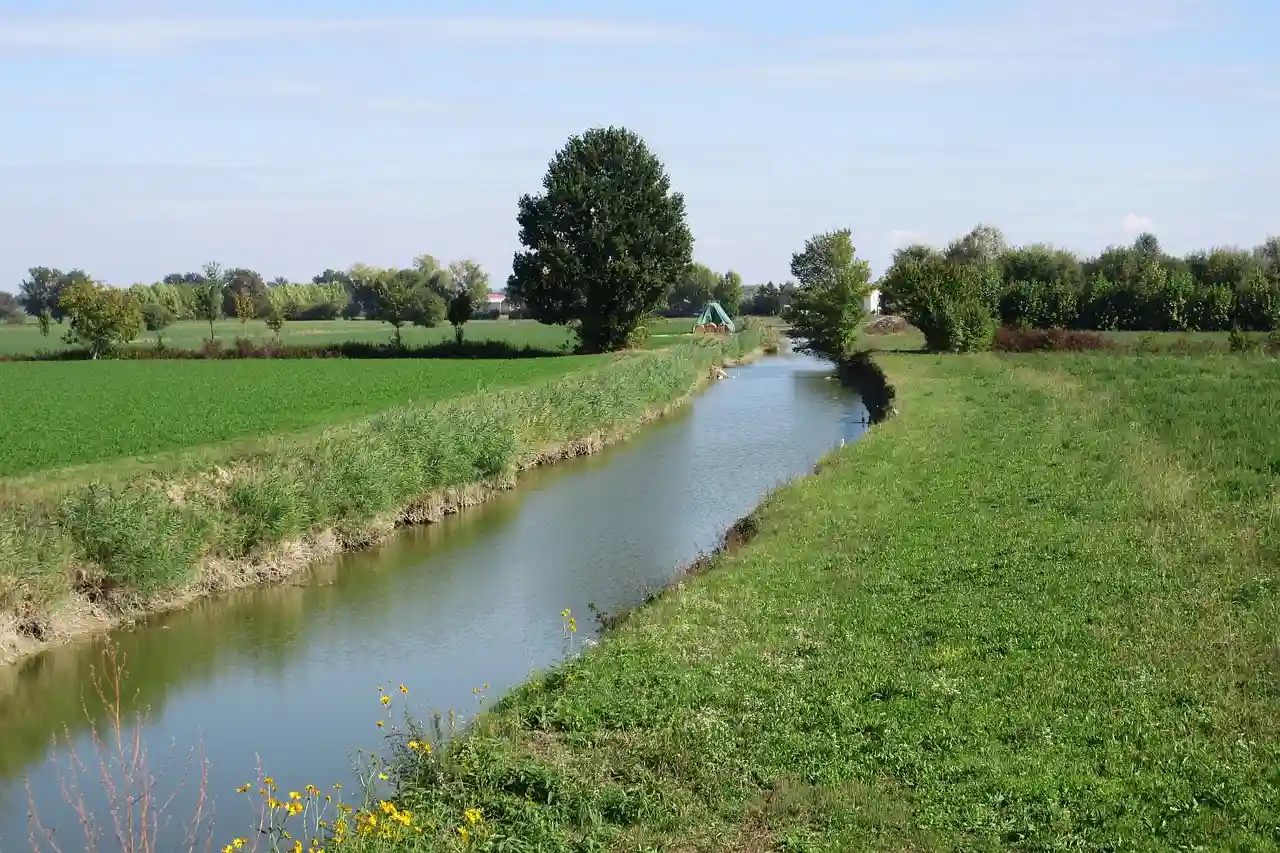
(1134, 224)
(1094, 38)
(902, 237)
(149, 35)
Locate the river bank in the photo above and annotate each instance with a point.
(1037, 611)
(93, 556)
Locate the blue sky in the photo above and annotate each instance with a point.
(143, 137)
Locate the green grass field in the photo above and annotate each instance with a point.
(58, 414)
(1036, 611)
(27, 340)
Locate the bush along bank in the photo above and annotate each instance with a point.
(1005, 665)
(85, 557)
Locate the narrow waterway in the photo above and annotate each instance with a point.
(290, 673)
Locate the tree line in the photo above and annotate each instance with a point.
(977, 280)
(606, 245)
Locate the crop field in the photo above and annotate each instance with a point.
(1035, 611)
(27, 340)
(59, 414)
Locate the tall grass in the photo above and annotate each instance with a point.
(120, 545)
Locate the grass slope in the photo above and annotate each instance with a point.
(58, 414)
(1036, 611)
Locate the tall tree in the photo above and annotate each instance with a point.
(101, 317)
(693, 288)
(603, 242)
(208, 296)
(11, 312)
(469, 277)
(239, 280)
(728, 292)
(983, 245)
(41, 290)
(826, 310)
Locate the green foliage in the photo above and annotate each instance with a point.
(11, 311)
(207, 297)
(157, 317)
(275, 321)
(1133, 288)
(135, 535)
(604, 242)
(101, 317)
(41, 291)
(693, 289)
(728, 292)
(951, 303)
(826, 310)
(460, 309)
(769, 299)
(468, 276)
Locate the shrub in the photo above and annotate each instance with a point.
(1057, 339)
(136, 534)
(952, 304)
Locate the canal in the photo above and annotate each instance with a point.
(289, 674)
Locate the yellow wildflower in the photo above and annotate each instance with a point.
(312, 790)
(404, 689)
(380, 723)
(297, 846)
(272, 802)
(294, 795)
(268, 780)
(382, 776)
(473, 816)
(385, 700)
(464, 832)
(242, 789)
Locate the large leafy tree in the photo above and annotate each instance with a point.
(693, 288)
(241, 282)
(100, 317)
(11, 312)
(470, 278)
(826, 310)
(604, 241)
(728, 292)
(40, 292)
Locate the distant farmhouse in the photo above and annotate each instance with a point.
(499, 303)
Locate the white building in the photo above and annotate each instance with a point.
(871, 304)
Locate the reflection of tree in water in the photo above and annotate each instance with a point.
(266, 627)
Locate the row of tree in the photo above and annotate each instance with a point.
(214, 292)
(1138, 287)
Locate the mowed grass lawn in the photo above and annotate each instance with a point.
(1037, 611)
(58, 414)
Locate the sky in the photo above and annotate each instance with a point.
(142, 137)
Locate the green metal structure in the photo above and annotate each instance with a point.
(714, 315)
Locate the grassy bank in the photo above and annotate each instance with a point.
(73, 556)
(1035, 611)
